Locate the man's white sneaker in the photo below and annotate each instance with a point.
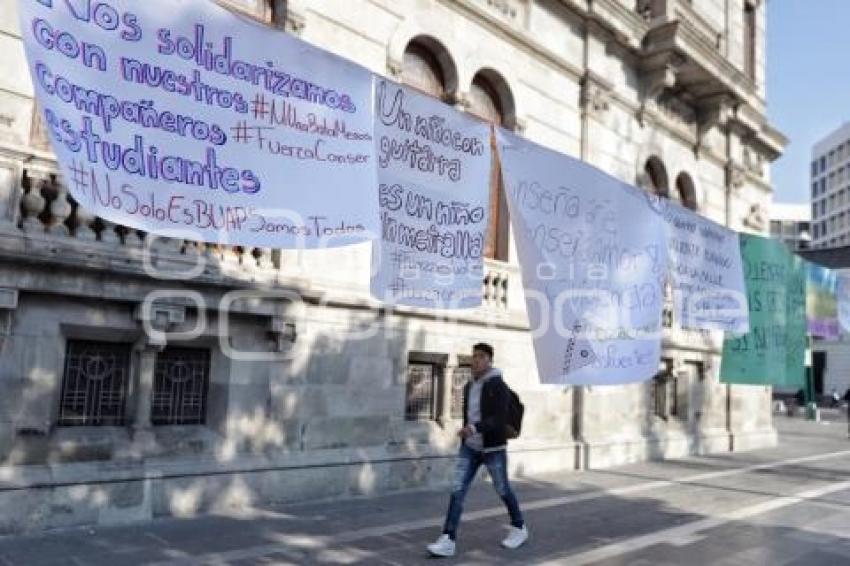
(516, 537)
(444, 546)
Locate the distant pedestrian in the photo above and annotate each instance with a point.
(486, 404)
(800, 398)
(835, 398)
(847, 400)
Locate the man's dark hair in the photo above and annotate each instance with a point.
(486, 348)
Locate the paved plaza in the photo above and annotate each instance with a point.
(784, 506)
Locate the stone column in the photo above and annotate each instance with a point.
(108, 235)
(59, 209)
(10, 194)
(444, 405)
(144, 389)
(83, 224)
(8, 304)
(143, 436)
(34, 202)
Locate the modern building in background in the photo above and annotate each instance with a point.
(791, 223)
(830, 176)
(99, 423)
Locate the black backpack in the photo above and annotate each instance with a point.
(513, 423)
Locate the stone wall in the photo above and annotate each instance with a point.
(321, 413)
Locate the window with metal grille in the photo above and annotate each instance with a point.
(421, 396)
(94, 384)
(180, 383)
(659, 395)
(460, 376)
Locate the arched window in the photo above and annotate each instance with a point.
(489, 98)
(750, 39)
(686, 191)
(483, 100)
(422, 69)
(655, 177)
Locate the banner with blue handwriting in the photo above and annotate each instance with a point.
(706, 272)
(181, 118)
(594, 262)
(434, 166)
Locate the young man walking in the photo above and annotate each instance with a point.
(483, 441)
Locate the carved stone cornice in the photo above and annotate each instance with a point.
(735, 176)
(626, 25)
(753, 162)
(653, 83)
(708, 71)
(685, 12)
(756, 218)
(520, 37)
(704, 74)
(773, 141)
(595, 93)
(514, 12)
(288, 15)
(261, 11)
(157, 319)
(712, 112)
(754, 127)
(295, 22)
(395, 68)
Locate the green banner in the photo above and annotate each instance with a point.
(795, 317)
(773, 351)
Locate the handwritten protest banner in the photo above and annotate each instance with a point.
(706, 274)
(773, 351)
(177, 116)
(593, 261)
(433, 176)
(821, 302)
(842, 292)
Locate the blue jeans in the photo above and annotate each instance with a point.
(468, 462)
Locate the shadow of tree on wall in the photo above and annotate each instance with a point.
(323, 428)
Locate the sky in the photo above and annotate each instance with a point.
(808, 83)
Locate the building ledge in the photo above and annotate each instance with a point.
(699, 73)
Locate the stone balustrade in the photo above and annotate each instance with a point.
(496, 277)
(48, 210)
(43, 208)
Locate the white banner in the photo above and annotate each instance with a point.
(181, 118)
(706, 272)
(593, 261)
(842, 297)
(433, 173)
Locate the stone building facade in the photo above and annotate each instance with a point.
(271, 375)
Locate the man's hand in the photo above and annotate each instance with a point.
(466, 432)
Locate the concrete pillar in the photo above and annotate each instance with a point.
(143, 437)
(10, 194)
(144, 390)
(444, 405)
